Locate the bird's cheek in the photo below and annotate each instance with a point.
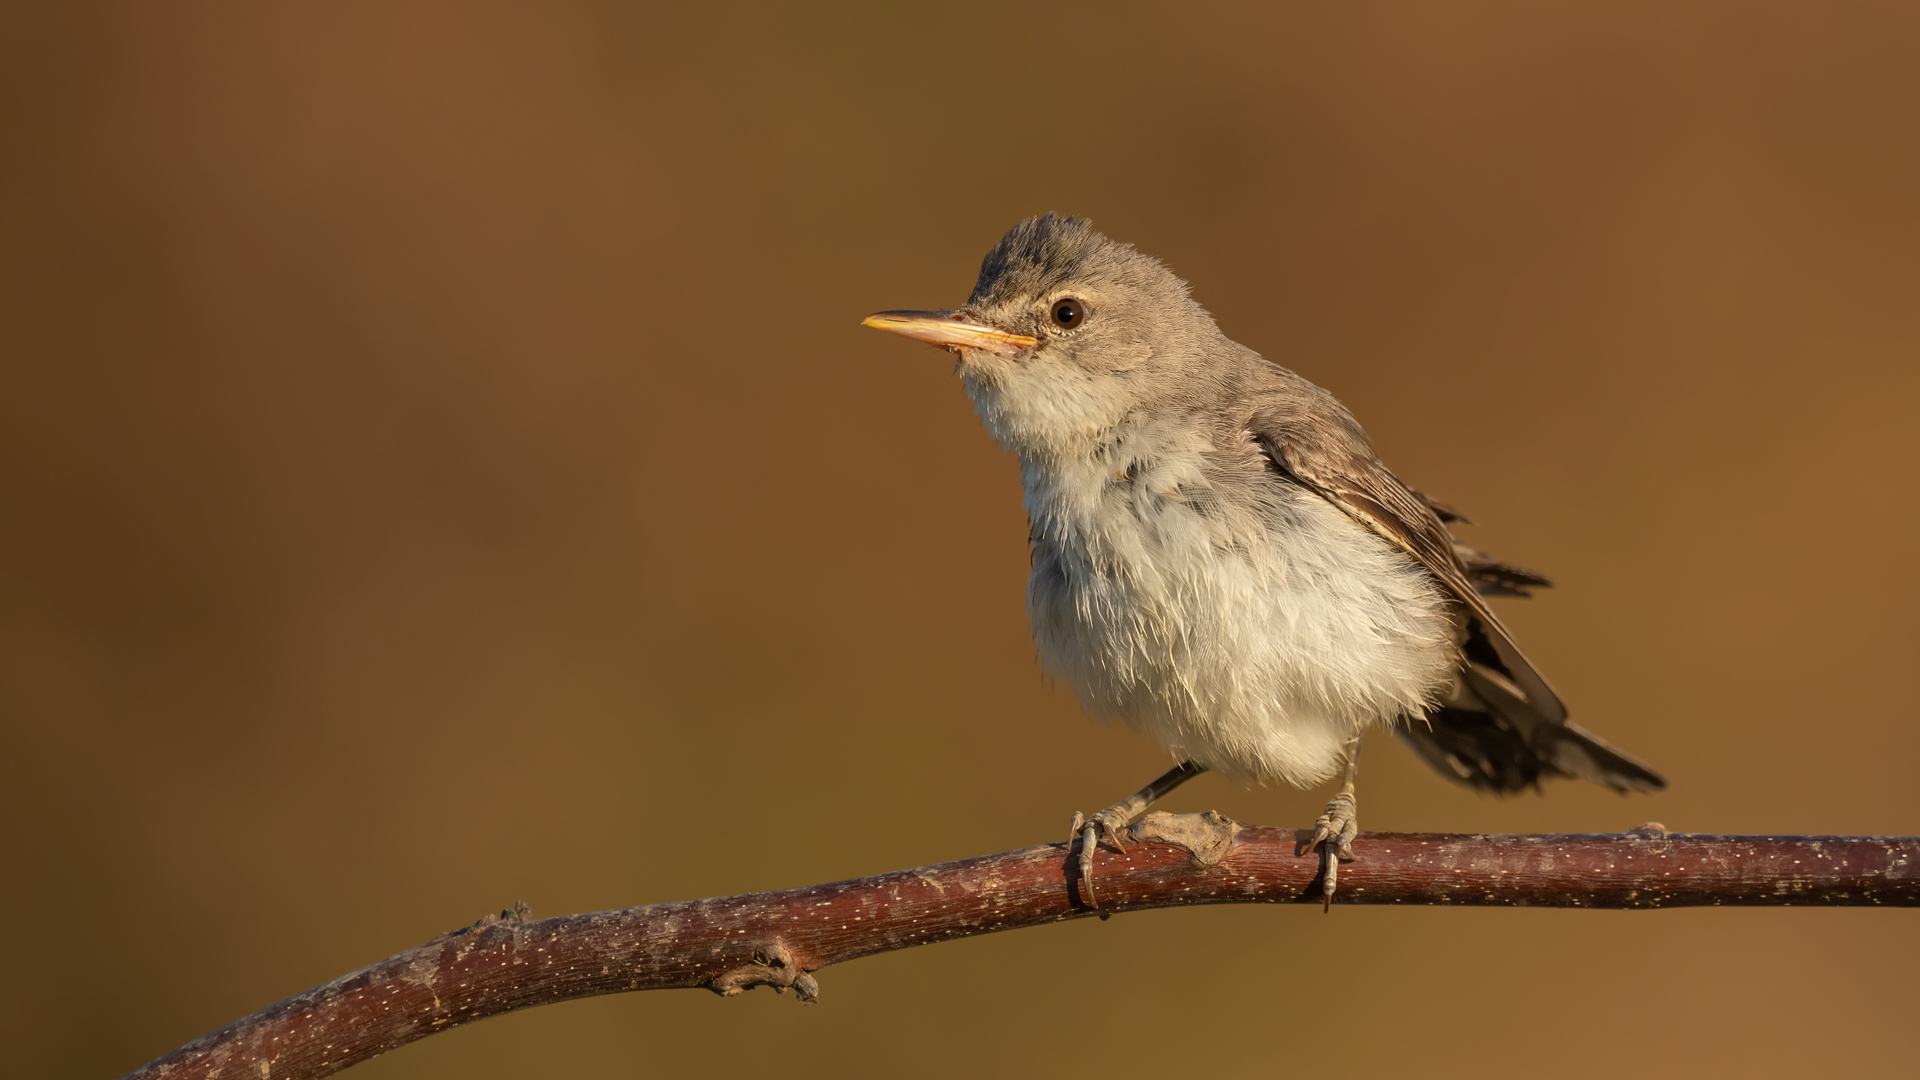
(986, 368)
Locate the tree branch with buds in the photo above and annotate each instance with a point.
(781, 939)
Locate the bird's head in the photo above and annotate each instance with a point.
(1066, 334)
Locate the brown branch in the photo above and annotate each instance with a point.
(779, 939)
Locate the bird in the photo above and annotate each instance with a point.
(1220, 559)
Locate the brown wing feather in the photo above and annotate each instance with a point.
(1495, 577)
(1314, 439)
(1490, 576)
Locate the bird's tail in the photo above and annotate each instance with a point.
(1488, 738)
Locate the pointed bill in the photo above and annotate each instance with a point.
(954, 330)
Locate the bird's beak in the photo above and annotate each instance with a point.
(954, 330)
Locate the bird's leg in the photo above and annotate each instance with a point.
(1106, 824)
(1334, 831)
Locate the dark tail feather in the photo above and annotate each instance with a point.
(1477, 749)
(1487, 751)
(1575, 751)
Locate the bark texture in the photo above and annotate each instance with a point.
(779, 939)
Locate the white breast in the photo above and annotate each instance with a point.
(1255, 634)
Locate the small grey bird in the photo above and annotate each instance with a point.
(1220, 560)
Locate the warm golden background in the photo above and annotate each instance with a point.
(441, 464)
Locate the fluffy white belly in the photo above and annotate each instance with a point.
(1255, 640)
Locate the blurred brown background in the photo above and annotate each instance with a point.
(441, 464)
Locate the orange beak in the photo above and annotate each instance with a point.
(954, 330)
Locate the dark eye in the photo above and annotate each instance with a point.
(1069, 312)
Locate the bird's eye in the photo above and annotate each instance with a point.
(1068, 313)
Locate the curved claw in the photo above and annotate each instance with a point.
(1333, 834)
(1091, 833)
(1080, 831)
(1089, 840)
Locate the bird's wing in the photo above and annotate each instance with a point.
(1311, 437)
(1490, 576)
(1508, 727)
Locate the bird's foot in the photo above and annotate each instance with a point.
(1106, 824)
(1333, 834)
(1090, 831)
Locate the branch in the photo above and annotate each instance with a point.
(779, 939)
